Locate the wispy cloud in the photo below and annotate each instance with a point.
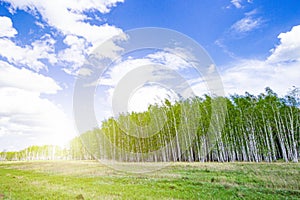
(236, 3)
(225, 49)
(247, 24)
(242, 28)
(239, 4)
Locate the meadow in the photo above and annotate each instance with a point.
(92, 180)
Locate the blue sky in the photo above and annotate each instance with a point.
(43, 45)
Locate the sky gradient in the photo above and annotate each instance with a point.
(43, 45)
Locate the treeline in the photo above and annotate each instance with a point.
(238, 128)
(46, 152)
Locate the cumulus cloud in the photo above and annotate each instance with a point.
(25, 115)
(288, 48)
(7, 29)
(32, 120)
(27, 80)
(280, 71)
(30, 56)
(74, 55)
(103, 6)
(69, 18)
(139, 82)
(255, 75)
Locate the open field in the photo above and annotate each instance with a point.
(91, 180)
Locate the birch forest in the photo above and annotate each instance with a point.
(246, 127)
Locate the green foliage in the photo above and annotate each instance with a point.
(240, 128)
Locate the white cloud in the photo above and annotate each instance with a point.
(289, 47)
(25, 117)
(148, 80)
(254, 75)
(247, 24)
(27, 80)
(69, 18)
(7, 29)
(141, 98)
(239, 3)
(84, 72)
(236, 3)
(103, 6)
(174, 60)
(280, 71)
(74, 55)
(32, 120)
(161, 58)
(29, 55)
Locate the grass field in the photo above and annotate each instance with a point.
(91, 180)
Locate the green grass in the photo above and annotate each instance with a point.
(91, 180)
